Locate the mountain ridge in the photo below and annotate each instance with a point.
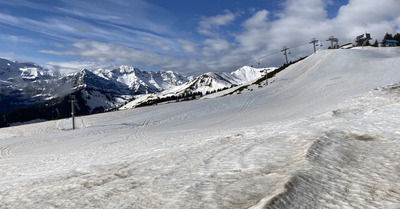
(25, 84)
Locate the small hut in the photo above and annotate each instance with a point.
(389, 43)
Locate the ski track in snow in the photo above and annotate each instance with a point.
(261, 149)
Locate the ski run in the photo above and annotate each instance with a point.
(323, 134)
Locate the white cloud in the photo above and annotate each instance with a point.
(218, 48)
(123, 21)
(363, 12)
(188, 47)
(8, 19)
(255, 32)
(215, 46)
(68, 67)
(134, 13)
(305, 9)
(115, 53)
(159, 43)
(360, 16)
(397, 25)
(64, 28)
(209, 25)
(56, 52)
(258, 20)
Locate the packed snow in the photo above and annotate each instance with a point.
(323, 134)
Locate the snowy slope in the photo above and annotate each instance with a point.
(324, 134)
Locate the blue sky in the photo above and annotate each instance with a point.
(190, 37)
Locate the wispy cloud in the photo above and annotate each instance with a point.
(37, 5)
(140, 33)
(66, 28)
(215, 46)
(114, 53)
(69, 67)
(138, 14)
(210, 25)
(8, 19)
(188, 47)
(255, 29)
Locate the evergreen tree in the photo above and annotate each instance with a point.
(397, 38)
(376, 44)
(388, 36)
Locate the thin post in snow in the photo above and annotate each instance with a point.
(72, 97)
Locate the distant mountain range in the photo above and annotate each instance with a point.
(30, 92)
(204, 84)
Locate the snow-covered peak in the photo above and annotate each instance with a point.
(126, 69)
(247, 73)
(215, 81)
(212, 82)
(141, 80)
(36, 72)
(28, 70)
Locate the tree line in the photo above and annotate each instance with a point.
(388, 36)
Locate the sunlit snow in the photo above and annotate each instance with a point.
(323, 134)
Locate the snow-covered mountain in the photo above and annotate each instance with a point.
(105, 89)
(26, 84)
(201, 85)
(209, 82)
(12, 71)
(23, 84)
(137, 81)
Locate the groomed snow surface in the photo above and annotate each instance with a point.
(324, 134)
